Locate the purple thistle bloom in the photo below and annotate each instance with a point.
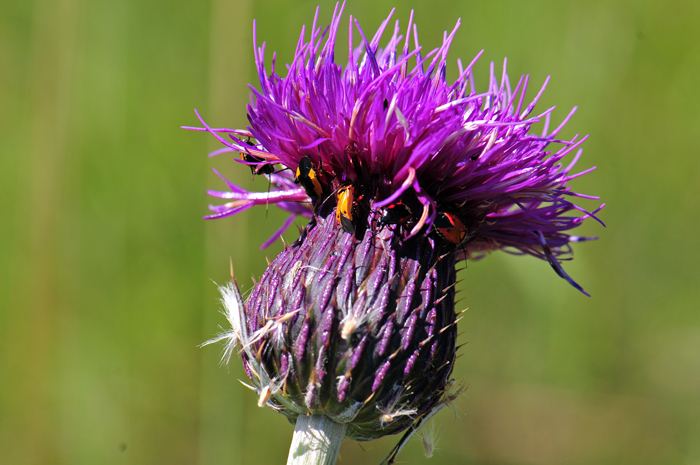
(402, 174)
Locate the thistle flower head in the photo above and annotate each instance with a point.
(402, 174)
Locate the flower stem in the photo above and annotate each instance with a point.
(316, 441)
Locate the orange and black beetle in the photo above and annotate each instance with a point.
(308, 178)
(346, 202)
(257, 169)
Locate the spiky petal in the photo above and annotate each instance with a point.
(391, 125)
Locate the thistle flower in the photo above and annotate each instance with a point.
(402, 175)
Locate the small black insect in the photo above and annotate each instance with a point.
(397, 213)
(257, 169)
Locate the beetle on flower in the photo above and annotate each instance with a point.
(402, 174)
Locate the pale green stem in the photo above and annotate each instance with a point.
(316, 441)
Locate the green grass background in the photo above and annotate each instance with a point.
(106, 267)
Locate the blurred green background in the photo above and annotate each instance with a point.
(106, 267)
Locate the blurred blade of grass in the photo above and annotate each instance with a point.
(105, 257)
(39, 290)
(222, 413)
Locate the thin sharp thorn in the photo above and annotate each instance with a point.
(259, 354)
(247, 385)
(449, 287)
(444, 365)
(454, 323)
(253, 370)
(285, 317)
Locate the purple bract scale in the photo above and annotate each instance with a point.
(410, 362)
(379, 377)
(384, 342)
(357, 352)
